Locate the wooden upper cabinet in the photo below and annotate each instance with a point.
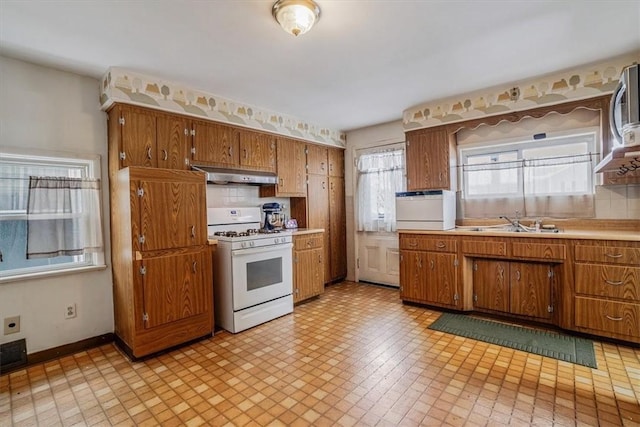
(336, 162)
(215, 144)
(137, 145)
(317, 159)
(257, 151)
(428, 160)
(173, 142)
(292, 168)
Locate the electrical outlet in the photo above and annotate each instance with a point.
(11, 325)
(70, 311)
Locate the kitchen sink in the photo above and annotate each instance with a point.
(511, 229)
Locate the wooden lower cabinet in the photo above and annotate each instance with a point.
(428, 276)
(607, 289)
(308, 266)
(518, 288)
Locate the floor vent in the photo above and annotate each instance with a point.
(13, 354)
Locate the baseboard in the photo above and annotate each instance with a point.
(63, 350)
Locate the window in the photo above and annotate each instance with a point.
(17, 221)
(537, 177)
(381, 173)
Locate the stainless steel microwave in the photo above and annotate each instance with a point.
(625, 108)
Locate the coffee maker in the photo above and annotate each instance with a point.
(273, 218)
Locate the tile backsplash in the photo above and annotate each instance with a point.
(220, 196)
(618, 202)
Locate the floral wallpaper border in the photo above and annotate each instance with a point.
(579, 83)
(125, 86)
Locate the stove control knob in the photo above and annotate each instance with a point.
(252, 244)
(243, 244)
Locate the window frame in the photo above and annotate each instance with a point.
(520, 144)
(91, 167)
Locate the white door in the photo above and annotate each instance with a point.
(379, 258)
(380, 173)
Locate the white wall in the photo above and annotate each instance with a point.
(372, 136)
(43, 108)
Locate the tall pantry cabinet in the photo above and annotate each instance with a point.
(324, 206)
(162, 264)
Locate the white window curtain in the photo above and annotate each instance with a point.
(540, 187)
(380, 176)
(63, 217)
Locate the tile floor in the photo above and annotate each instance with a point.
(355, 356)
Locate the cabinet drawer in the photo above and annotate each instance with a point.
(608, 316)
(484, 247)
(608, 254)
(539, 250)
(608, 281)
(416, 242)
(310, 241)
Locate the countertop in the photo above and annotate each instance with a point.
(300, 231)
(632, 236)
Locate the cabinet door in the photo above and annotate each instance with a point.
(413, 275)
(215, 144)
(317, 159)
(337, 228)
(336, 162)
(172, 142)
(491, 285)
(257, 151)
(530, 293)
(428, 160)
(318, 214)
(308, 274)
(292, 170)
(172, 215)
(175, 287)
(441, 278)
(138, 138)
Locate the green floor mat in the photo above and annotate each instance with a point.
(561, 347)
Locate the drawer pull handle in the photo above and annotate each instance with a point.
(613, 256)
(413, 244)
(618, 283)
(441, 245)
(617, 319)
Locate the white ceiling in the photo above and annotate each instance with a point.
(362, 64)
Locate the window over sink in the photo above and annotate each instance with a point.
(541, 175)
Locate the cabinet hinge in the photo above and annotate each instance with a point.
(145, 317)
(550, 274)
(123, 155)
(141, 239)
(475, 266)
(357, 262)
(140, 192)
(456, 297)
(193, 132)
(193, 150)
(306, 151)
(455, 262)
(186, 132)
(143, 270)
(550, 308)
(121, 121)
(475, 297)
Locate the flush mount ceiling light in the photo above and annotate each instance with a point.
(296, 16)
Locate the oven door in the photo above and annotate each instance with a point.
(261, 275)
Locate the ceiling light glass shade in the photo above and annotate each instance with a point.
(296, 16)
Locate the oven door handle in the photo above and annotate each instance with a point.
(251, 251)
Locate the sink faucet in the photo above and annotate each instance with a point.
(514, 222)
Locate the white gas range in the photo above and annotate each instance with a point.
(252, 269)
